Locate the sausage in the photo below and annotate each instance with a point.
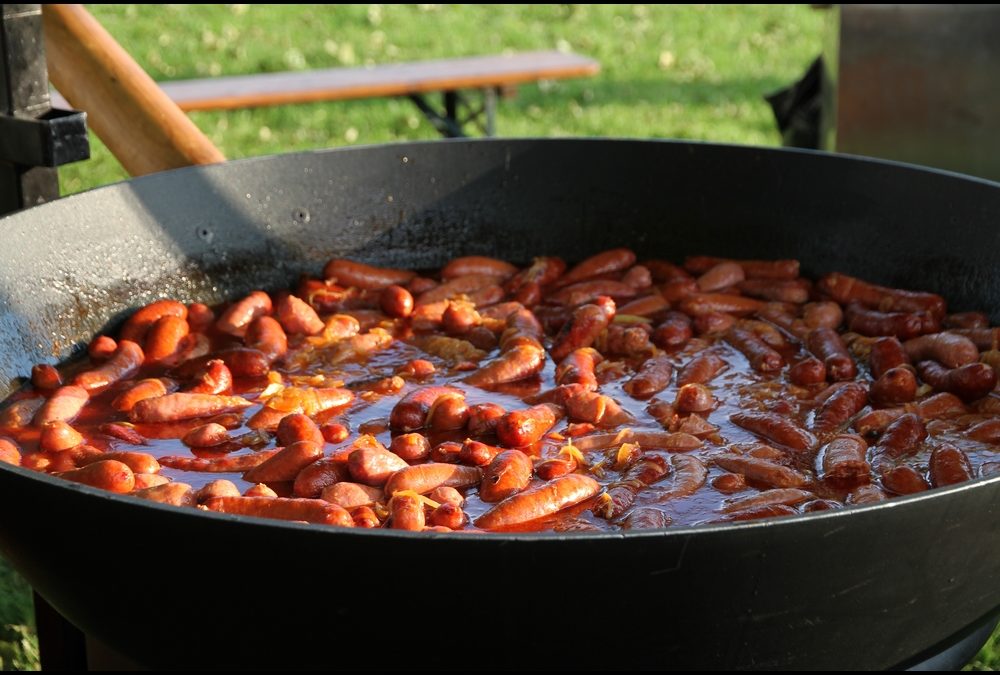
(297, 317)
(948, 349)
(756, 513)
(588, 291)
(807, 371)
(940, 405)
(866, 494)
(822, 315)
(694, 398)
(526, 285)
(373, 464)
(140, 391)
(216, 488)
(966, 320)
(706, 303)
(606, 262)
(673, 332)
(842, 405)
(713, 323)
(702, 369)
(449, 412)
(298, 427)
(895, 386)
(903, 480)
(241, 361)
(137, 325)
(164, 341)
(465, 285)
(842, 461)
(283, 508)
(476, 264)
(987, 431)
(949, 465)
(543, 500)
(360, 275)
(64, 405)
(315, 477)
(10, 451)
(662, 271)
(761, 470)
(523, 427)
(754, 269)
(184, 406)
(483, 418)
(621, 494)
(21, 413)
(762, 358)
(110, 475)
(286, 463)
(44, 376)
(518, 363)
(214, 378)
(206, 436)
(411, 411)
(776, 428)
(227, 464)
(266, 335)
(57, 436)
(653, 377)
(578, 368)
(101, 348)
(200, 317)
(886, 353)
(795, 291)
(827, 345)
(901, 437)
(675, 291)
(689, 475)
(720, 276)
(122, 432)
(902, 325)
(175, 494)
(236, 319)
(968, 382)
(424, 478)
(508, 473)
(124, 363)
(648, 305)
(583, 327)
(447, 515)
(406, 512)
(630, 340)
(985, 339)
(475, 453)
(139, 462)
(846, 289)
(351, 495)
(772, 497)
(589, 406)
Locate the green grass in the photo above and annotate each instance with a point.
(693, 72)
(690, 72)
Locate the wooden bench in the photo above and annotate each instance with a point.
(492, 75)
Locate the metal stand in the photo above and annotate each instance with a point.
(448, 122)
(34, 137)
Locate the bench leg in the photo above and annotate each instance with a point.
(447, 124)
(490, 106)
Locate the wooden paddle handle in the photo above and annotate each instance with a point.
(139, 123)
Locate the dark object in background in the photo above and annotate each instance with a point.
(797, 109)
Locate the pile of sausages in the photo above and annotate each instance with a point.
(611, 394)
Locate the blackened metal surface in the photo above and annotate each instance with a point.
(862, 588)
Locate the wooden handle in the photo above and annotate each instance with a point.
(139, 123)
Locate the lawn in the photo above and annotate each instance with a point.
(689, 71)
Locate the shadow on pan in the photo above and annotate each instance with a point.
(863, 588)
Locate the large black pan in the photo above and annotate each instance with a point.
(869, 587)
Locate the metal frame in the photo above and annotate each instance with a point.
(448, 122)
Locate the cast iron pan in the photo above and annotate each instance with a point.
(869, 587)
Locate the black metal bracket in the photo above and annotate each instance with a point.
(449, 123)
(57, 137)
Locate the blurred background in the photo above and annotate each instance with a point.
(696, 72)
